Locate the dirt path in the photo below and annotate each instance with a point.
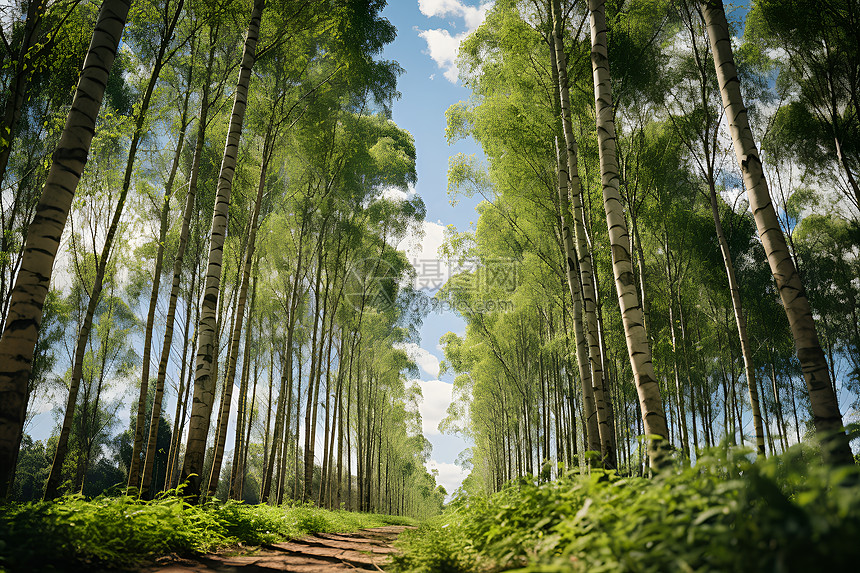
(365, 550)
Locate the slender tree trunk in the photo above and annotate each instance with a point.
(691, 385)
(266, 493)
(825, 409)
(340, 430)
(286, 371)
(682, 417)
(591, 371)
(240, 446)
(177, 270)
(349, 503)
(43, 237)
(314, 374)
(53, 484)
(592, 429)
(243, 460)
(224, 418)
(226, 390)
(296, 471)
(267, 440)
(150, 319)
(740, 318)
(586, 273)
(636, 240)
(611, 419)
(650, 403)
(783, 431)
(181, 398)
(204, 382)
(137, 442)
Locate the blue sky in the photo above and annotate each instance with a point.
(428, 34)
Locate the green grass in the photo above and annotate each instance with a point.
(117, 532)
(725, 514)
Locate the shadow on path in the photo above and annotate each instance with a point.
(365, 550)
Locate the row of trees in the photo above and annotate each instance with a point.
(228, 245)
(708, 335)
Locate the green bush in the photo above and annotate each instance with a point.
(725, 514)
(73, 532)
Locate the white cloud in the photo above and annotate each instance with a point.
(43, 402)
(422, 250)
(392, 193)
(426, 245)
(473, 16)
(425, 360)
(442, 46)
(436, 396)
(450, 476)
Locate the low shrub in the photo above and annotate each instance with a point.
(727, 513)
(114, 532)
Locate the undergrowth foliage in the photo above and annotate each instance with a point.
(74, 532)
(727, 513)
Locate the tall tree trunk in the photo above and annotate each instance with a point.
(159, 387)
(825, 409)
(18, 341)
(187, 212)
(605, 439)
(592, 429)
(286, 373)
(266, 492)
(239, 444)
(53, 484)
(682, 411)
(224, 418)
(181, 397)
(296, 456)
(134, 470)
(636, 241)
(226, 392)
(650, 402)
(243, 460)
(315, 372)
(740, 319)
(204, 382)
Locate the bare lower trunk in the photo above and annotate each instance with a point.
(134, 470)
(239, 444)
(243, 460)
(187, 211)
(825, 409)
(43, 238)
(740, 320)
(51, 489)
(224, 418)
(204, 382)
(592, 429)
(605, 439)
(650, 402)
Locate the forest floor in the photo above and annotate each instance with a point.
(364, 550)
